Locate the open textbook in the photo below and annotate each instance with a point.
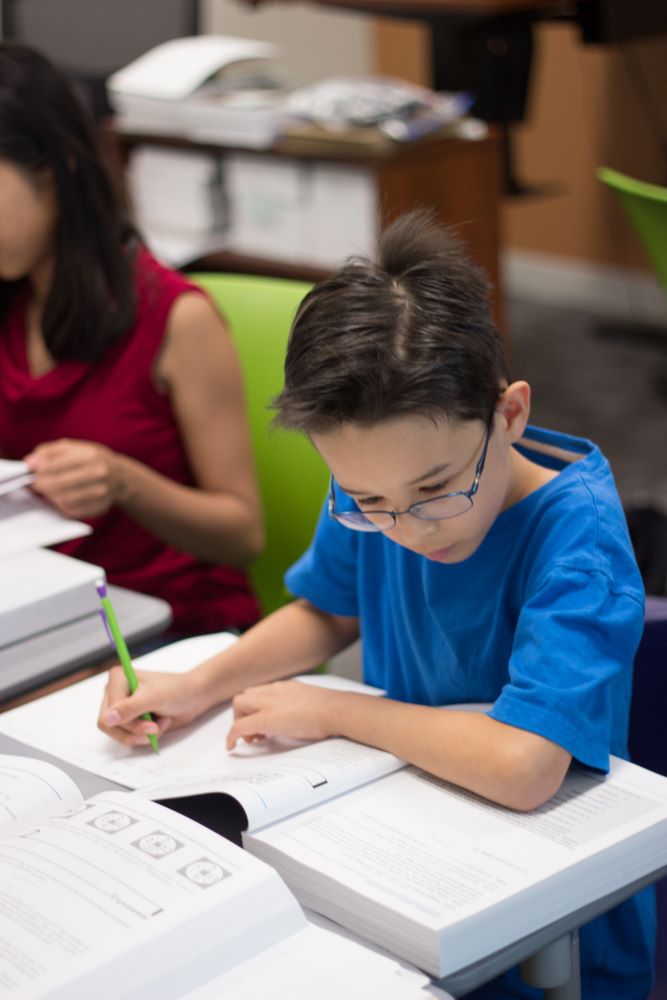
(117, 896)
(436, 875)
(264, 782)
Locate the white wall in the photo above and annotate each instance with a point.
(314, 43)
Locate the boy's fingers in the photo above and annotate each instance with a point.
(244, 728)
(121, 713)
(116, 685)
(247, 702)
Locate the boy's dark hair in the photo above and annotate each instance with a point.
(410, 333)
(43, 127)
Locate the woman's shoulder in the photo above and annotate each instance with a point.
(159, 289)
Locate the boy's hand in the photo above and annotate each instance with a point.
(81, 478)
(170, 698)
(285, 708)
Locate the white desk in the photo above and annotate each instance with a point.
(59, 651)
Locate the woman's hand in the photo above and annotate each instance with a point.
(172, 699)
(81, 478)
(286, 708)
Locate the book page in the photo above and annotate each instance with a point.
(27, 522)
(277, 778)
(436, 856)
(270, 779)
(13, 475)
(65, 723)
(120, 894)
(31, 789)
(315, 964)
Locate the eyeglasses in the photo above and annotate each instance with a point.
(436, 509)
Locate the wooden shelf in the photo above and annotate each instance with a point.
(459, 178)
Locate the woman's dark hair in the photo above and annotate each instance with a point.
(409, 333)
(43, 127)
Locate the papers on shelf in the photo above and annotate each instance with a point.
(209, 87)
(297, 211)
(178, 201)
(175, 69)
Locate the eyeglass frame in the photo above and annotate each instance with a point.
(395, 514)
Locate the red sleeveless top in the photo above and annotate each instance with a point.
(114, 402)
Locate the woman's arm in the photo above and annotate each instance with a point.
(220, 519)
(294, 639)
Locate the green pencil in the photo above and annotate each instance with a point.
(116, 636)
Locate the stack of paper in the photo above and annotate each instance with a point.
(13, 475)
(444, 878)
(300, 211)
(28, 522)
(178, 202)
(38, 589)
(209, 87)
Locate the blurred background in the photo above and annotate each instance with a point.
(564, 88)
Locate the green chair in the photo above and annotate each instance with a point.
(293, 479)
(646, 206)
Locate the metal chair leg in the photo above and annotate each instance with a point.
(555, 969)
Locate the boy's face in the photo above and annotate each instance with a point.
(410, 459)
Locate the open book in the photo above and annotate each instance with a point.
(118, 896)
(436, 875)
(262, 782)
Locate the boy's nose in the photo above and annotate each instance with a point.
(414, 533)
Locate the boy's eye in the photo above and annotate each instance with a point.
(369, 501)
(435, 488)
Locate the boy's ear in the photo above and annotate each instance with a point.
(514, 409)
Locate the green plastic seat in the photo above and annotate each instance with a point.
(646, 206)
(293, 479)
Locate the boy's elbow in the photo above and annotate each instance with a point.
(532, 774)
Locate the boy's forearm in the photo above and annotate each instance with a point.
(294, 639)
(510, 766)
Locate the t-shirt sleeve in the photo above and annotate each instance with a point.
(326, 574)
(576, 634)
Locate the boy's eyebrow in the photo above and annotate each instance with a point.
(431, 472)
(425, 475)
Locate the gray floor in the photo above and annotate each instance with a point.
(604, 381)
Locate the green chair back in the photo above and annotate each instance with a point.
(646, 206)
(292, 477)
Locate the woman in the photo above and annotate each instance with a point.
(119, 384)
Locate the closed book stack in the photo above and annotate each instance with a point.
(41, 589)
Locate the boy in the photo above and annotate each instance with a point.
(479, 560)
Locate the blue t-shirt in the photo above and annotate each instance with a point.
(543, 620)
